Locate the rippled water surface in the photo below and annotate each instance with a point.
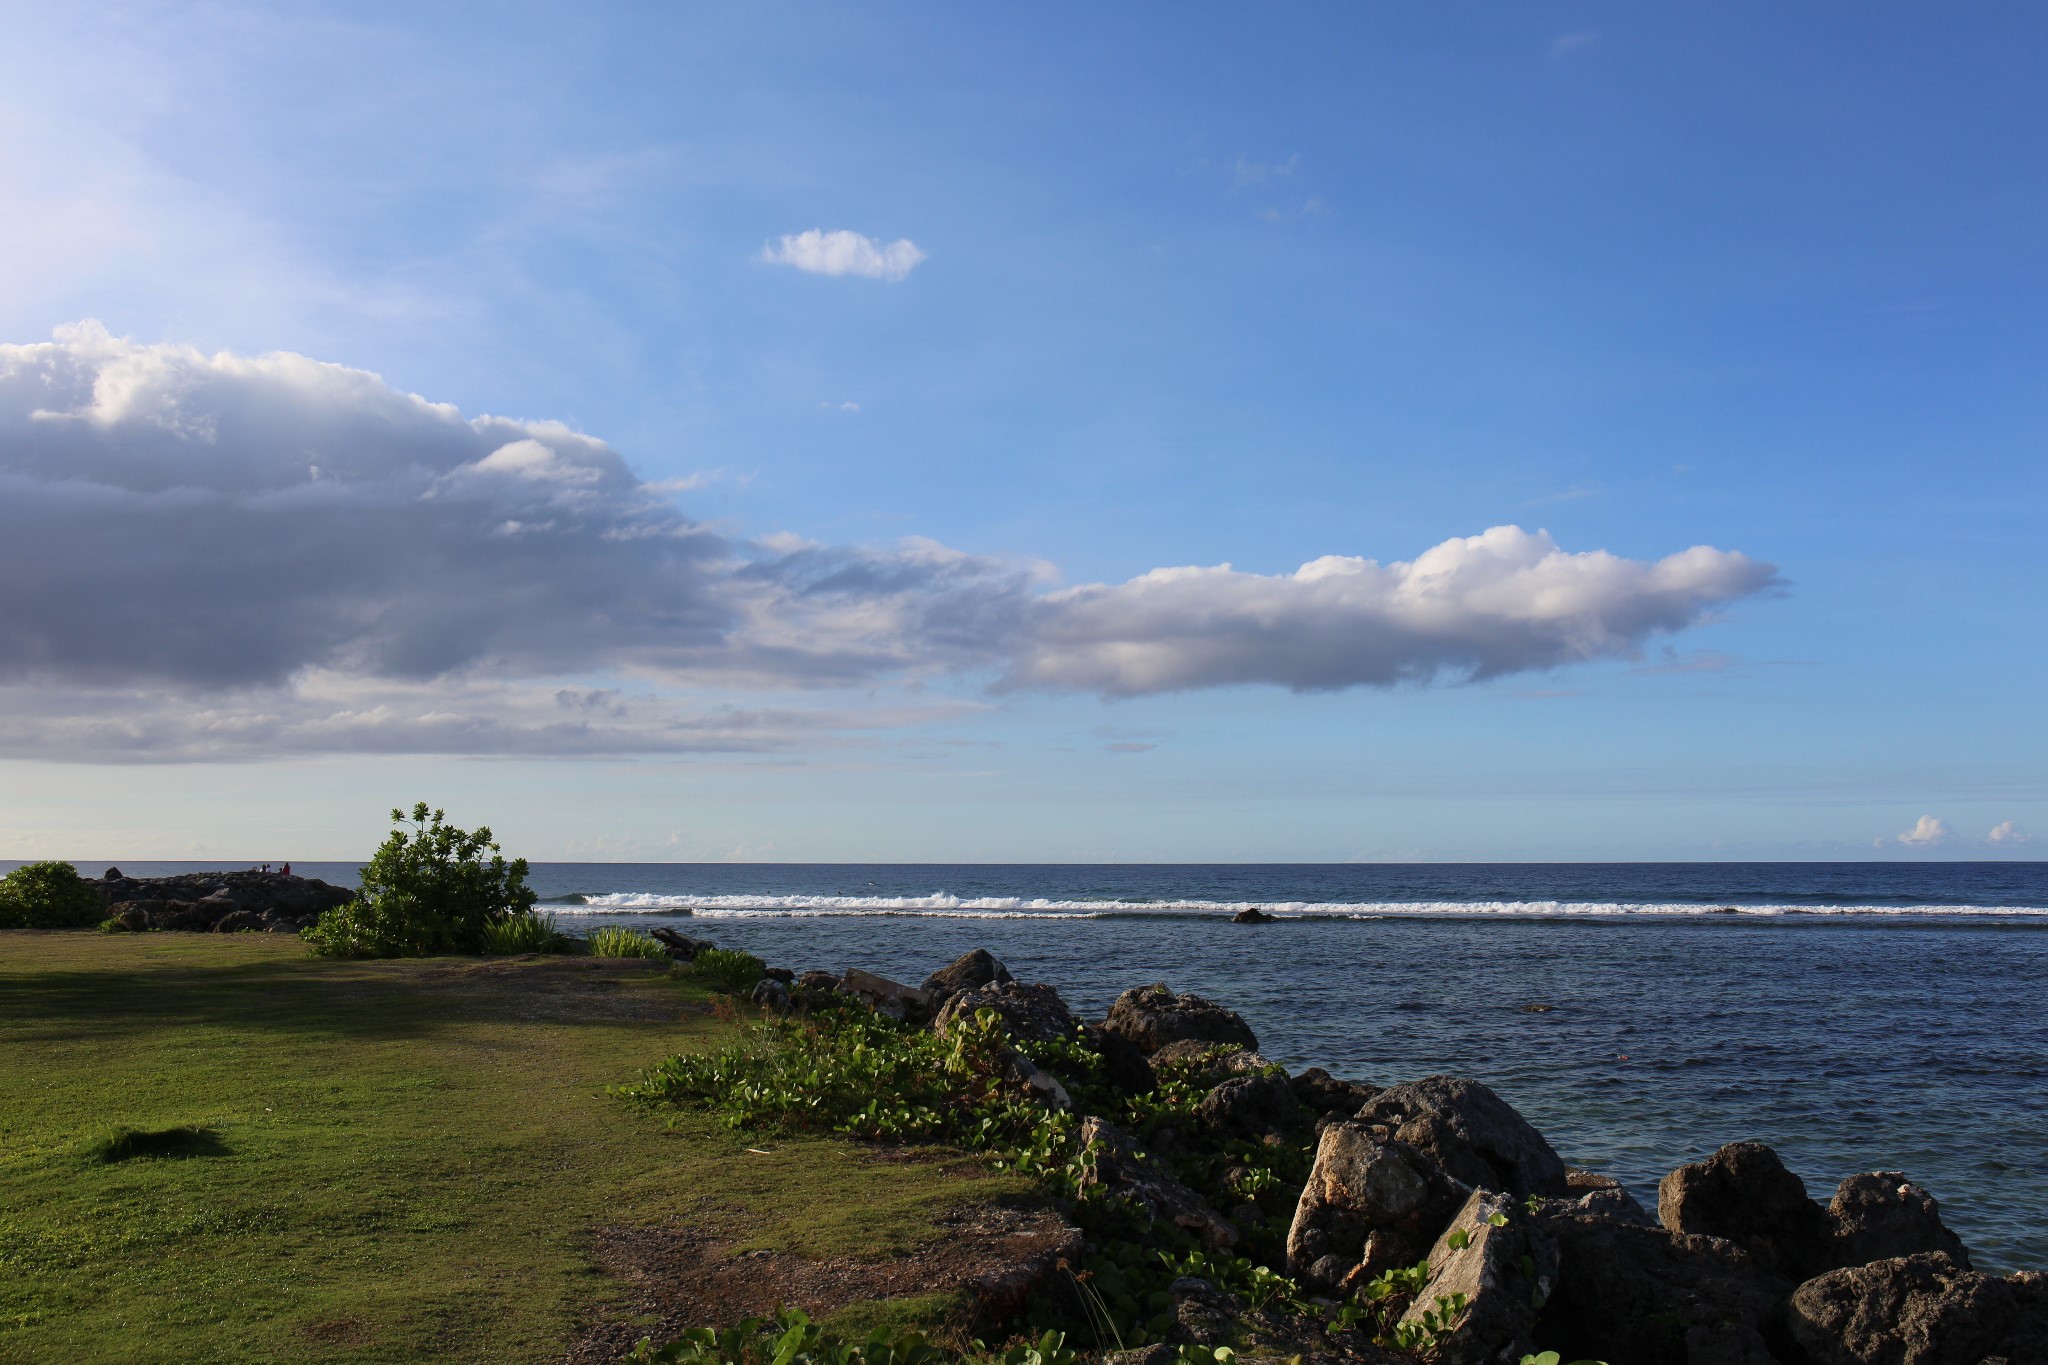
(1854, 1016)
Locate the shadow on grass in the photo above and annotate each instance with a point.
(406, 998)
(190, 1140)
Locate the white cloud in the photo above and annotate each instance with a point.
(1567, 43)
(2006, 833)
(226, 556)
(1507, 601)
(1927, 831)
(845, 253)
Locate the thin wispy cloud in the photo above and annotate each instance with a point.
(1295, 211)
(231, 556)
(1245, 172)
(1671, 662)
(1567, 43)
(845, 253)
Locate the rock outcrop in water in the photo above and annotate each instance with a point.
(1524, 1253)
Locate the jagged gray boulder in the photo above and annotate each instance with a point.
(1880, 1215)
(1030, 1014)
(1251, 1106)
(1323, 1094)
(1626, 1292)
(1928, 1309)
(1203, 1315)
(891, 998)
(1474, 1134)
(1370, 1204)
(1591, 1192)
(135, 916)
(1488, 1271)
(1150, 1017)
(978, 968)
(681, 947)
(771, 994)
(1118, 1167)
(1743, 1193)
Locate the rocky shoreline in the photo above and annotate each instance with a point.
(1524, 1253)
(1737, 1265)
(217, 902)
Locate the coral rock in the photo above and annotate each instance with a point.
(1475, 1135)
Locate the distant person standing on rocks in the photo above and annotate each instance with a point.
(285, 871)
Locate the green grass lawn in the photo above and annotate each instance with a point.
(387, 1161)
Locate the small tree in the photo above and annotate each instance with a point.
(48, 896)
(429, 889)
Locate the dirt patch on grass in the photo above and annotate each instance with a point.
(340, 1332)
(561, 988)
(676, 1278)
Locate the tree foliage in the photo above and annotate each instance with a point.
(428, 889)
(48, 896)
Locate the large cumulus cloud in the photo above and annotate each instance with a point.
(224, 555)
(1478, 606)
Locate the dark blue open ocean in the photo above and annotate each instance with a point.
(1855, 1016)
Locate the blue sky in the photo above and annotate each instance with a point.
(1190, 285)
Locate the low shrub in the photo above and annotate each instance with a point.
(729, 970)
(524, 931)
(427, 889)
(615, 940)
(48, 895)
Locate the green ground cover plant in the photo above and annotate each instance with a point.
(429, 888)
(218, 1148)
(791, 1338)
(614, 940)
(48, 895)
(729, 970)
(842, 1069)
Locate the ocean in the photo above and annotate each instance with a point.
(1855, 1016)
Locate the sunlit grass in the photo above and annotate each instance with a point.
(218, 1148)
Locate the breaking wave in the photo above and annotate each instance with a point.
(944, 905)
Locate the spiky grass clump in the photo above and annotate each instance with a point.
(615, 940)
(730, 970)
(524, 931)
